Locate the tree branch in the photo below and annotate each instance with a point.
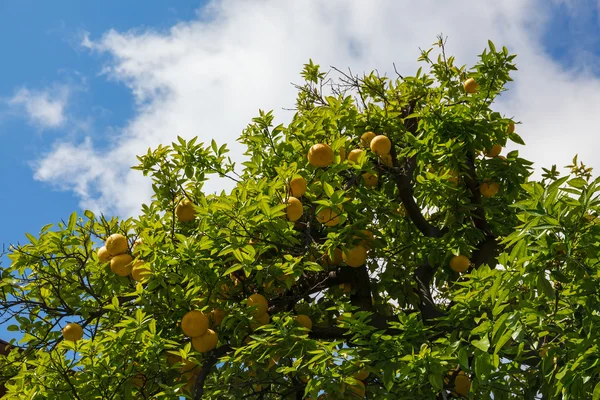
(209, 363)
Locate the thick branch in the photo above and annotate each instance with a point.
(424, 275)
(209, 363)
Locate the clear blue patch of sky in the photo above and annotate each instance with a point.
(572, 35)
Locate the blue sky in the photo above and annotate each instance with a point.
(87, 85)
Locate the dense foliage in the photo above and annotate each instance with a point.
(519, 322)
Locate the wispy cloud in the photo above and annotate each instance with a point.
(45, 108)
(208, 78)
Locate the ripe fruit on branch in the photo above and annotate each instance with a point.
(494, 151)
(103, 254)
(470, 85)
(354, 155)
(462, 383)
(116, 244)
(489, 189)
(304, 320)
(140, 271)
(329, 217)
(121, 264)
(260, 321)
(381, 145)
(185, 211)
(72, 332)
(294, 209)
(260, 303)
(194, 323)
(511, 127)
(386, 159)
(206, 342)
(460, 263)
(320, 155)
(298, 186)
(355, 256)
(370, 179)
(366, 138)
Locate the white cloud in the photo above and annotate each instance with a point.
(44, 108)
(209, 77)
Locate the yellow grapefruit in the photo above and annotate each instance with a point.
(470, 85)
(460, 263)
(194, 323)
(489, 189)
(365, 139)
(116, 244)
(140, 271)
(381, 145)
(494, 151)
(206, 342)
(121, 264)
(320, 155)
(298, 186)
(72, 332)
(260, 303)
(329, 217)
(370, 179)
(304, 320)
(354, 155)
(294, 209)
(103, 254)
(185, 211)
(355, 256)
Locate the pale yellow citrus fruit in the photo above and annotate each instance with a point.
(511, 127)
(370, 179)
(470, 85)
(386, 159)
(121, 264)
(460, 263)
(206, 342)
(260, 303)
(494, 151)
(381, 145)
(365, 139)
(354, 155)
(337, 258)
(462, 384)
(355, 256)
(194, 323)
(298, 186)
(72, 332)
(140, 271)
(103, 254)
(260, 321)
(116, 244)
(304, 320)
(294, 209)
(320, 155)
(185, 211)
(217, 315)
(489, 189)
(329, 217)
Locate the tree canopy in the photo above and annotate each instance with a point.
(378, 246)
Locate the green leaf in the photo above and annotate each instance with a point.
(72, 221)
(482, 344)
(233, 268)
(502, 341)
(577, 183)
(12, 328)
(596, 394)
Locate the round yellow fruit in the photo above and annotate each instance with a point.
(462, 384)
(511, 127)
(320, 155)
(206, 342)
(381, 145)
(185, 211)
(489, 189)
(72, 332)
(386, 159)
(337, 258)
(298, 186)
(470, 85)
(217, 315)
(365, 139)
(121, 264)
(304, 320)
(103, 254)
(356, 256)
(460, 263)
(140, 271)
(354, 155)
(494, 151)
(370, 179)
(329, 217)
(260, 303)
(294, 209)
(194, 323)
(260, 321)
(116, 244)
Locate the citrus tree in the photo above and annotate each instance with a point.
(378, 246)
